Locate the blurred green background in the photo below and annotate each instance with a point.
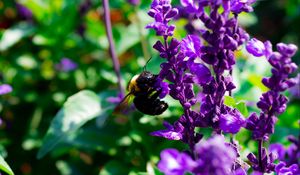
(38, 36)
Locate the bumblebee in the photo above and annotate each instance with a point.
(146, 100)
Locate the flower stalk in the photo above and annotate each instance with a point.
(112, 50)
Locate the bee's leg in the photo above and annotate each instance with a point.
(155, 95)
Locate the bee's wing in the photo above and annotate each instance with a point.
(124, 104)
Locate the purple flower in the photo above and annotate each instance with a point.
(175, 163)
(240, 171)
(192, 7)
(295, 90)
(115, 99)
(231, 122)
(167, 52)
(282, 169)
(267, 164)
(293, 150)
(162, 87)
(238, 6)
(287, 50)
(258, 48)
(214, 157)
(5, 88)
(282, 67)
(24, 12)
(272, 102)
(172, 132)
(261, 126)
(291, 155)
(278, 150)
(212, 106)
(66, 65)
(201, 72)
(190, 46)
(162, 12)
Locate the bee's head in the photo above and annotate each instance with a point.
(146, 80)
(146, 76)
(142, 82)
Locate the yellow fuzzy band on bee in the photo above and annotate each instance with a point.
(132, 86)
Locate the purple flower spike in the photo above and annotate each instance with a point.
(66, 65)
(175, 163)
(267, 164)
(287, 49)
(256, 47)
(5, 88)
(289, 156)
(231, 122)
(214, 157)
(282, 169)
(162, 12)
(190, 46)
(201, 72)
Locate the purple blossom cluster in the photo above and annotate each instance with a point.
(204, 60)
(211, 154)
(5, 88)
(290, 155)
(272, 102)
(66, 65)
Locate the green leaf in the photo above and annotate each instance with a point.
(38, 8)
(15, 34)
(114, 167)
(77, 110)
(128, 38)
(157, 172)
(5, 167)
(255, 80)
(241, 106)
(66, 168)
(229, 101)
(94, 138)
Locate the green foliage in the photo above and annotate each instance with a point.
(14, 35)
(5, 167)
(78, 109)
(241, 106)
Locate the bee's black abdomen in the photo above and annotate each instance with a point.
(149, 106)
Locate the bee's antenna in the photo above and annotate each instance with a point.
(145, 67)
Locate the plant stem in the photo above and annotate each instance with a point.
(230, 92)
(112, 50)
(260, 142)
